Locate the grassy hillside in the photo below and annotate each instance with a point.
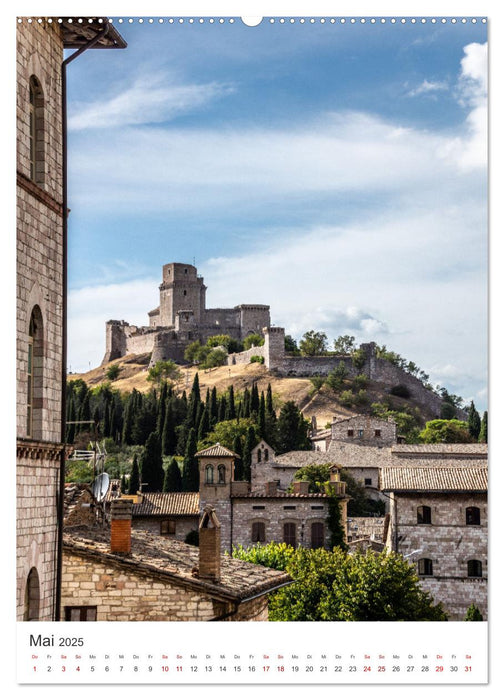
(323, 404)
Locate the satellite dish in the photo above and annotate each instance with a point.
(100, 486)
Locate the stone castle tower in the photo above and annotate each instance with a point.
(181, 318)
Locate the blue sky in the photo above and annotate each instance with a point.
(336, 172)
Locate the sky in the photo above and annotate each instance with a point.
(337, 172)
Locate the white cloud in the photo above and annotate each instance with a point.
(428, 87)
(470, 150)
(153, 99)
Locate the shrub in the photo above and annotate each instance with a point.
(254, 339)
(257, 358)
(346, 398)
(112, 372)
(215, 358)
(317, 382)
(361, 397)
(360, 381)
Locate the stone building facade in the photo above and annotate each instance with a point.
(439, 519)
(126, 575)
(264, 511)
(40, 269)
(181, 318)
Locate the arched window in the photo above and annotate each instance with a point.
(317, 535)
(424, 515)
(34, 375)
(258, 532)
(474, 568)
(266, 454)
(472, 515)
(32, 596)
(209, 474)
(221, 470)
(289, 533)
(259, 455)
(36, 136)
(425, 567)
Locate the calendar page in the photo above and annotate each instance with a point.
(251, 348)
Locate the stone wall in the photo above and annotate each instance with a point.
(36, 528)
(243, 358)
(183, 526)
(364, 430)
(448, 542)
(39, 263)
(121, 595)
(274, 513)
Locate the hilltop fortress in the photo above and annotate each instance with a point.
(181, 318)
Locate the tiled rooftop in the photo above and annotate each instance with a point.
(452, 478)
(175, 561)
(186, 503)
(442, 449)
(216, 450)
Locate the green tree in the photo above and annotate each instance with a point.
(334, 524)
(448, 431)
(483, 436)
(112, 372)
(344, 344)
(134, 482)
(238, 468)
(251, 440)
(313, 343)
(291, 345)
(292, 429)
(215, 358)
(253, 340)
(196, 353)
(473, 614)
(190, 474)
(225, 341)
(338, 586)
(168, 435)
(173, 478)
(474, 421)
(163, 371)
(151, 464)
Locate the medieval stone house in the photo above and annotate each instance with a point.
(40, 315)
(125, 575)
(438, 519)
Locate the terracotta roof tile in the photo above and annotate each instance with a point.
(152, 504)
(474, 448)
(216, 450)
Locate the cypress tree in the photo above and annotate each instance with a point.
(85, 411)
(474, 421)
(254, 399)
(246, 403)
(238, 448)
(250, 443)
(222, 409)
(292, 433)
(214, 407)
(483, 436)
(269, 400)
(337, 538)
(173, 478)
(261, 420)
(195, 390)
(123, 483)
(106, 420)
(161, 410)
(168, 437)
(204, 424)
(230, 407)
(190, 475)
(134, 482)
(151, 465)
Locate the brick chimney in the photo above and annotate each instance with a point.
(120, 526)
(301, 487)
(209, 545)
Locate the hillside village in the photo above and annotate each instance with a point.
(165, 486)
